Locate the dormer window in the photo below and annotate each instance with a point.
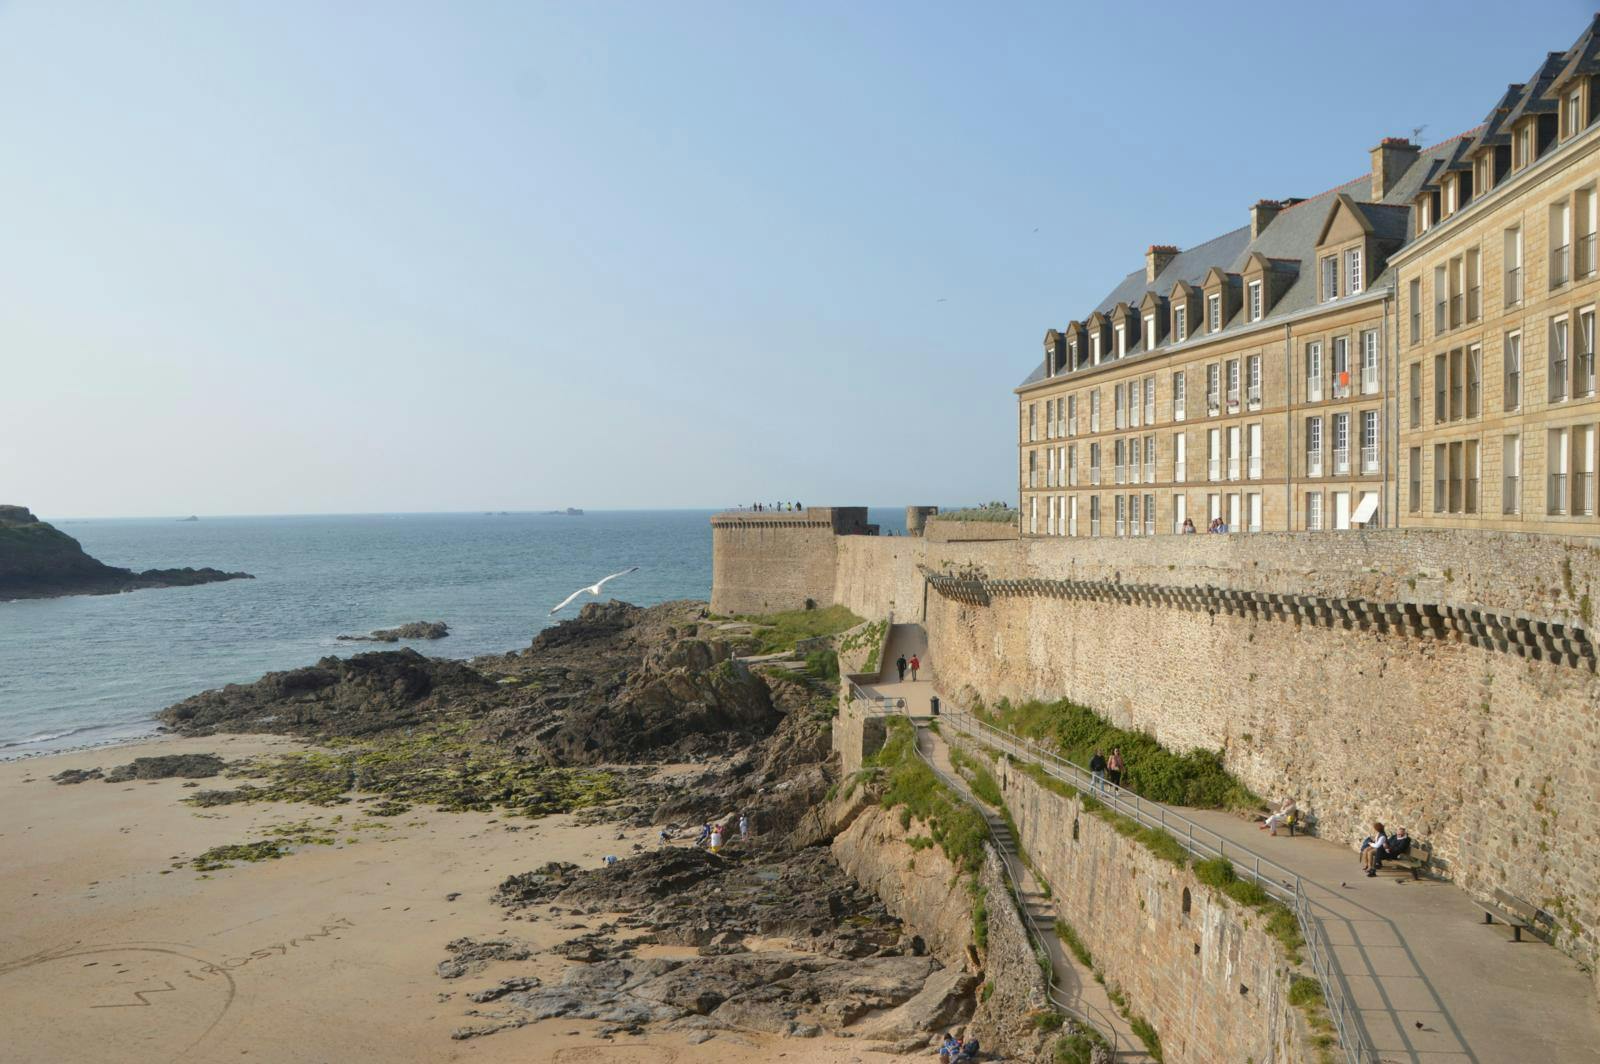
(1449, 197)
(1524, 144)
(1574, 113)
(1255, 300)
(1149, 331)
(1214, 312)
(1122, 339)
(1094, 347)
(1180, 324)
(1352, 271)
(1330, 278)
(1072, 354)
(1425, 215)
(1480, 174)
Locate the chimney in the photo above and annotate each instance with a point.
(1261, 215)
(1156, 259)
(1390, 160)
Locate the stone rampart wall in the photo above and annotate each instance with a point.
(952, 530)
(1210, 980)
(766, 562)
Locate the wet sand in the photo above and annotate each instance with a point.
(325, 955)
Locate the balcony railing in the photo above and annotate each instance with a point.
(1094, 527)
(1150, 412)
(1439, 311)
(1455, 495)
(1072, 476)
(1213, 404)
(1050, 478)
(1177, 410)
(1583, 494)
(1149, 472)
(1560, 265)
(1094, 422)
(1072, 425)
(1253, 396)
(1133, 472)
(1414, 498)
(1214, 468)
(1341, 385)
(1149, 523)
(1233, 400)
(1094, 474)
(1313, 389)
(1255, 467)
(1369, 459)
(1556, 497)
(1120, 474)
(1180, 472)
(1457, 305)
(1513, 286)
(1033, 478)
(1369, 379)
(1121, 527)
(1472, 495)
(1583, 374)
(1474, 303)
(1558, 379)
(1439, 495)
(1511, 500)
(1513, 389)
(1050, 429)
(1341, 459)
(1313, 463)
(1585, 255)
(1233, 467)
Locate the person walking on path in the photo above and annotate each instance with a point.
(916, 664)
(1097, 771)
(900, 663)
(744, 827)
(1114, 767)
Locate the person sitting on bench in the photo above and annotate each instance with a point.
(1374, 848)
(969, 1052)
(1399, 844)
(1282, 815)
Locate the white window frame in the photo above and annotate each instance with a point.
(1352, 271)
(1214, 312)
(1180, 324)
(1369, 362)
(1256, 306)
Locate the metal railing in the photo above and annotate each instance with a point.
(1585, 256)
(1513, 286)
(1010, 865)
(1281, 883)
(1560, 265)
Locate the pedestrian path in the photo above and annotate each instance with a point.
(909, 641)
(1075, 984)
(1430, 983)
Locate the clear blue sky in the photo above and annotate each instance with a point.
(295, 257)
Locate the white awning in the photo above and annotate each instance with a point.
(1367, 507)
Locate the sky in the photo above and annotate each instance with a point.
(361, 257)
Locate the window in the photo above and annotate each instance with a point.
(1440, 468)
(1072, 515)
(1072, 415)
(1094, 515)
(1072, 465)
(1033, 469)
(1369, 362)
(1458, 295)
(1513, 256)
(1255, 300)
(1556, 459)
(1120, 466)
(1149, 400)
(1234, 450)
(1313, 446)
(1474, 285)
(1180, 458)
(1133, 515)
(1253, 452)
(1369, 441)
(1583, 470)
(1560, 244)
(1584, 250)
(1214, 312)
(1558, 359)
(1134, 406)
(1050, 525)
(1180, 513)
(1149, 459)
(1474, 472)
(1033, 422)
(1179, 396)
(1441, 380)
(1330, 278)
(1094, 463)
(1180, 324)
(1033, 515)
(1441, 299)
(1233, 511)
(1314, 512)
(1135, 460)
(1449, 198)
(1233, 386)
(1149, 515)
(1574, 113)
(1361, 501)
(1414, 494)
(1341, 367)
(1352, 271)
(1122, 339)
(1457, 385)
(1583, 363)
(1119, 417)
(1213, 454)
(1253, 510)
(1513, 363)
(1050, 419)
(1253, 370)
(1094, 347)
(1341, 444)
(1416, 395)
(1121, 503)
(1094, 410)
(1072, 355)
(1149, 331)
(1524, 145)
(1416, 310)
(1314, 371)
(1213, 507)
(1511, 474)
(1457, 467)
(1050, 472)
(1474, 380)
(1213, 390)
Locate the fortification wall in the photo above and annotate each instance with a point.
(953, 530)
(770, 561)
(1210, 980)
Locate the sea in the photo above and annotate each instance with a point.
(91, 669)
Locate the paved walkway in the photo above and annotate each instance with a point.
(1075, 983)
(907, 639)
(1432, 984)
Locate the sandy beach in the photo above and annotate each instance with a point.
(114, 944)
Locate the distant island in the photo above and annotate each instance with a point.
(413, 630)
(191, 517)
(38, 560)
(571, 511)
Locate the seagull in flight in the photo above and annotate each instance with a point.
(593, 589)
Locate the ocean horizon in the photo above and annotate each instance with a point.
(92, 669)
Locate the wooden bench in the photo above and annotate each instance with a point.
(1516, 914)
(1416, 859)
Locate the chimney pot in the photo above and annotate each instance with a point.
(1156, 259)
(1261, 215)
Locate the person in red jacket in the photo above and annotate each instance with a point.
(916, 663)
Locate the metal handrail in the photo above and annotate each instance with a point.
(1278, 881)
(1099, 1022)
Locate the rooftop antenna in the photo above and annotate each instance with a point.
(1416, 135)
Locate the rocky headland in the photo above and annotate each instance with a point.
(38, 560)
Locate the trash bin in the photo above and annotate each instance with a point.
(933, 705)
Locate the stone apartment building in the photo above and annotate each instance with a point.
(1414, 347)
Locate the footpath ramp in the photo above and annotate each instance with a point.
(908, 640)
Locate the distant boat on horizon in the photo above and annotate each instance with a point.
(191, 517)
(571, 511)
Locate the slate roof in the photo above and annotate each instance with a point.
(1290, 239)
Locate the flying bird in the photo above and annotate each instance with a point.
(593, 589)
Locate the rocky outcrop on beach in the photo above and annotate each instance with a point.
(366, 694)
(38, 560)
(414, 630)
